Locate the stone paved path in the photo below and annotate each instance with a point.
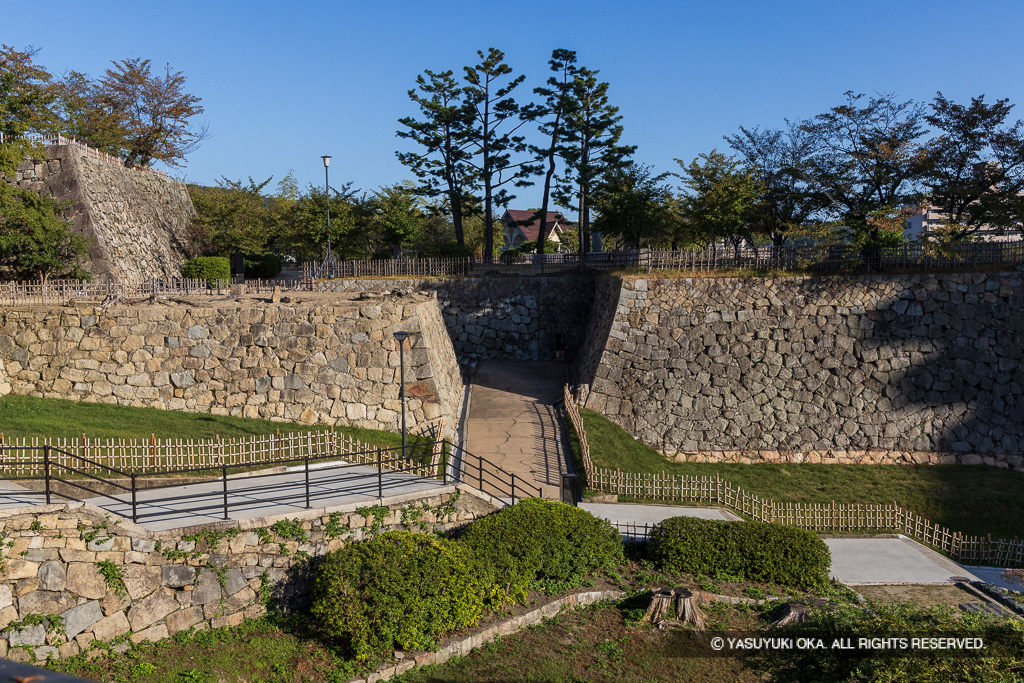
(513, 422)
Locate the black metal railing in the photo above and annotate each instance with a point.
(214, 490)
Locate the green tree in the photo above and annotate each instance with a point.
(867, 158)
(720, 198)
(493, 140)
(633, 205)
(779, 158)
(397, 218)
(34, 241)
(307, 220)
(552, 113)
(236, 217)
(975, 165)
(443, 133)
(590, 147)
(133, 113)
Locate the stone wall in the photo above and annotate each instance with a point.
(135, 219)
(201, 577)
(330, 360)
(922, 368)
(501, 318)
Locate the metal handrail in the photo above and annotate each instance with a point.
(339, 478)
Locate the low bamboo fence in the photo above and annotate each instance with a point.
(154, 456)
(822, 517)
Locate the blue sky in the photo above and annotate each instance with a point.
(284, 83)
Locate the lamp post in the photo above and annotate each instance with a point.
(327, 195)
(401, 337)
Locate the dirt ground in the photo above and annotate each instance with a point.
(924, 595)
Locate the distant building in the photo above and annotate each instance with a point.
(524, 226)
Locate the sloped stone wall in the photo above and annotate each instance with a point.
(915, 368)
(135, 219)
(332, 362)
(200, 577)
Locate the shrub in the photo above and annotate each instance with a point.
(399, 591)
(755, 550)
(263, 266)
(209, 268)
(543, 544)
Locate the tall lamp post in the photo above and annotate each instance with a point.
(327, 194)
(401, 337)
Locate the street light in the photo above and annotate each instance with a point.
(327, 190)
(401, 337)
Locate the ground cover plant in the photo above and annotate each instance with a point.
(995, 505)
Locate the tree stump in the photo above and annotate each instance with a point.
(797, 611)
(674, 604)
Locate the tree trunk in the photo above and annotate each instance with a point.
(674, 604)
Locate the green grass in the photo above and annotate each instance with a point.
(27, 416)
(972, 499)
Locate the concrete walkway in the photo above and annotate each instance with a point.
(855, 561)
(248, 496)
(513, 422)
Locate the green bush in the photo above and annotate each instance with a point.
(209, 268)
(754, 550)
(399, 590)
(543, 544)
(262, 266)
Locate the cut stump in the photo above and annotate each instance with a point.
(674, 604)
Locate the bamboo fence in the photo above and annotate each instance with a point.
(153, 456)
(830, 517)
(401, 267)
(64, 292)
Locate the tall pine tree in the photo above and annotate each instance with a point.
(590, 147)
(442, 165)
(496, 118)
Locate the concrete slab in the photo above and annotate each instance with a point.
(513, 423)
(626, 513)
(864, 561)
(14, 496)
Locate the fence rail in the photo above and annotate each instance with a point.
(64, 292)
(401, 267)
(213, 490)
(832, 516)
(86, 151)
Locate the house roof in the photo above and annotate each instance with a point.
(531, 230)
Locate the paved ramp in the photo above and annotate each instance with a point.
(513, 421)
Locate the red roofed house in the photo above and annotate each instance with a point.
(521, 226)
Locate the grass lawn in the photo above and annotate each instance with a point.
(973, 499)
(27, 416)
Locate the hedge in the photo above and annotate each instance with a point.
(209, 268)
(758, 551)
(400, 591)
(543, 544)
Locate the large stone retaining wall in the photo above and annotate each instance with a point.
(499, 317)
(331, 360)
(916, 368)
(136, 219)
(52, 558)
